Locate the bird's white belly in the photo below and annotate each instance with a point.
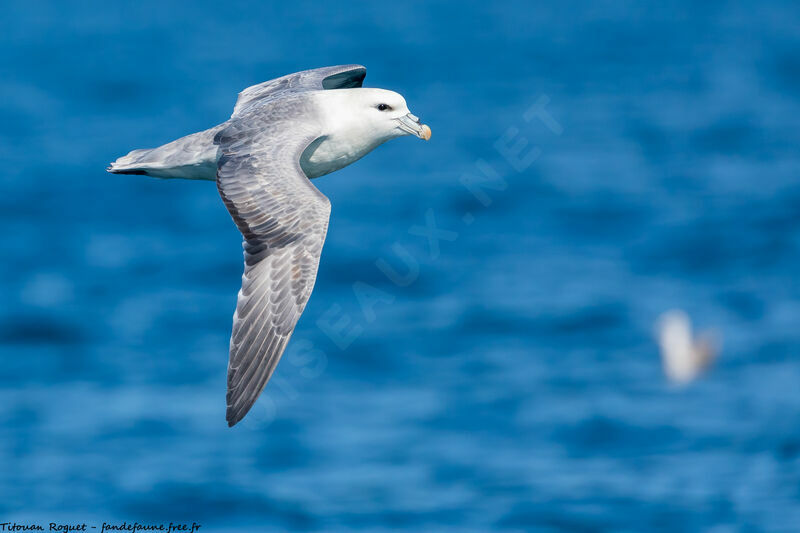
(330, 153)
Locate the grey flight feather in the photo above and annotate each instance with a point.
(339, 77)
(283, 219)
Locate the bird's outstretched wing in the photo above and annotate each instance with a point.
(283, 219)
(339, 77)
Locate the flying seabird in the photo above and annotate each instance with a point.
(282, 133)
(683, 357)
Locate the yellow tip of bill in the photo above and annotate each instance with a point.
(426, 132)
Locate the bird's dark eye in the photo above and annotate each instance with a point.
(384, 107)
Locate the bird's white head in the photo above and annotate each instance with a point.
(386, 112)
(376, 113)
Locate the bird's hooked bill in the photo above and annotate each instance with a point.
(426, 132)
(410, 123)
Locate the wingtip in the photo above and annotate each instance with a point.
(230, 418)
(233, 416)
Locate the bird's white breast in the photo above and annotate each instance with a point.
(330, 153)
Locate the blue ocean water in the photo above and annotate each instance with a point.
(500, 375)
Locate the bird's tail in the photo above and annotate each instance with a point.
(190, 157)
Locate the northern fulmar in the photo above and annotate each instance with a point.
(282, 133)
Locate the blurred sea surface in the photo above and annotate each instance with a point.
(505, 377)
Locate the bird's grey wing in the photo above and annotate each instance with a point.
(283, 219)
(338, 77)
